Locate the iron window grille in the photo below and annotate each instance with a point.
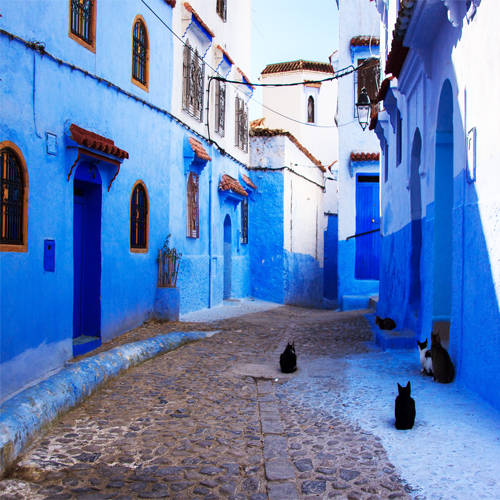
(139, 53)
(81, 19)
(193, 206)
(220, 107)
(368, 78)
(241, 124)
(193, 82)
(310, 109)
(222, 9)
(138, 218)
(11, 229)
(244, 220)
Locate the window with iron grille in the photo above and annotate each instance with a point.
(139, 53)
(138, 218)
(310, 109)
(12, 201)
(241, 124)
(220, 107)
(81, 19)
(222, 9)
(368, 78)
(194, 82)
(244, 220)
(193, 206)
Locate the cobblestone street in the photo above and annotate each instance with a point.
(217, 419)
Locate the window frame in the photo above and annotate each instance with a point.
(220, 108)
(23, 246)
(193, 206)
(139, 247)
(193, 64)
(241, 124)
(139, 20)
(244, 220)
(311, 119)
(221, 9)
(92, 27)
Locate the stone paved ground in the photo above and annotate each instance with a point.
(215, 419)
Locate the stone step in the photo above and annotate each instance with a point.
(356, 302)
(392, 339)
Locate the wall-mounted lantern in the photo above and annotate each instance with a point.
(364, 107)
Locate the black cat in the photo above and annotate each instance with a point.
(385, 324)
(405, 408)
(288, 359)
(442, 367)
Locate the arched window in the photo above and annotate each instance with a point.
(82, 22)
(193, 206)
(140, 55)
(14, 199)
(139, 218)
(310, 109)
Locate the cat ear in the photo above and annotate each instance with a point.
(408, 386)
(399, 387)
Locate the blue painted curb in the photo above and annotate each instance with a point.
(33, 409)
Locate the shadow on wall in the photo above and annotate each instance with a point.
(330, 258)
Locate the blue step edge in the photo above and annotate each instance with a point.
(391, 339)
(83, 345)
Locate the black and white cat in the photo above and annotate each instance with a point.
(288, 359)
(442, 366)
(425, 357)
(405, 408)
(385, 324)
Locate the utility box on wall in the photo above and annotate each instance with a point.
(49, 255)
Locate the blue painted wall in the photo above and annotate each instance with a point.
(303, 280)
(330, 277)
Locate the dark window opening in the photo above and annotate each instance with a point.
(368, 178)
(138, 218)
(81, 19)
(193, 82)
(139, 53)
(11, 229)
(399, 139)
(241, 125)
(310, 109)
(244, 220)
(368, 78)
(222, 9)
(220, 107)
(193, 206)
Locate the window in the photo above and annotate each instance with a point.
(244, 220)
(140, 56)
(220, 107)
(194, 82)
(139, 219)
(399, 139)
(310, 109)
(368, 78)
(241, 127)
(82, 22)
(14, 199)
(222, 9)
(193, 206)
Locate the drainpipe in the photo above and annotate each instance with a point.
(210, 232)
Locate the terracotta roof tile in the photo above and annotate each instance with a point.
(248, 182)
(198, 18)
(198, 149)
(244, 76)
(227, 183)
(268, 132)
(171, 3)
(365, 41)
(299, 65)
(95, 141)
(260, 122)
(309, 83)
(365, 156)
(226, 54)
(384, 87)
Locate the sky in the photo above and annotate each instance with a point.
(288, 30)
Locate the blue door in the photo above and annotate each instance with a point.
(227, 257)
(367, 219)
(87, 259)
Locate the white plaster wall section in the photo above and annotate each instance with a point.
(20, 368)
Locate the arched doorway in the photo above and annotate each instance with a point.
(416, 223)
(227, 257)
(443, 206)
(87, 190)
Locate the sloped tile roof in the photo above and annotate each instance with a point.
(171, 3)
(199, 150)
(95, 141)
(355, 156)
(227, 183)
(269, 132)
(198, 18)
(299, 65)
(248, 182)
(226, 54)
(309, 83)
(365, 41)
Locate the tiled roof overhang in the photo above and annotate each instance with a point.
(248, 182)
(171, 3)
(299, 65)
(365, 41)
(365, 156)
(199, 150)
(315, 85)
(94, 141)
(198, 18)
(246, 81)
(226, 54)
(228, 183)
(384, 87)
(268, 132)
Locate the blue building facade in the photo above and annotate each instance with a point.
(439, 204)
(96, 172)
